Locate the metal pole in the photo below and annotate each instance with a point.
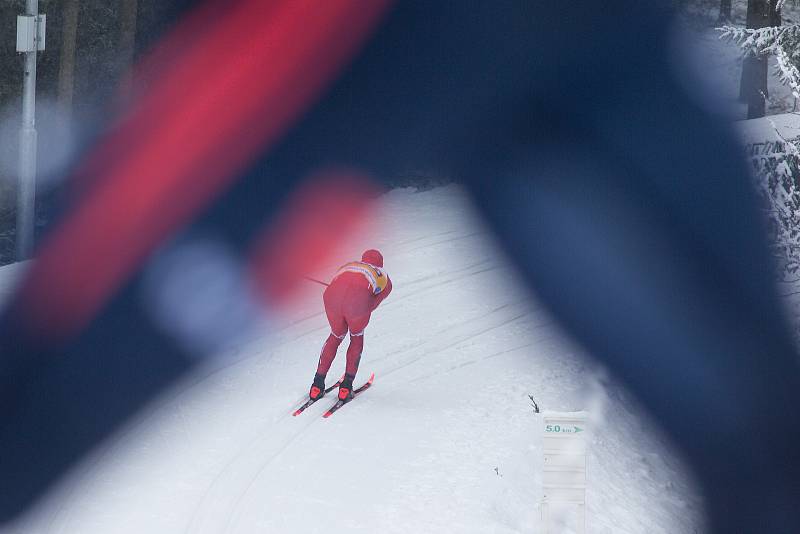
(26, 190)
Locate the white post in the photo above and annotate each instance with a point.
(30, 39)
(564, 444)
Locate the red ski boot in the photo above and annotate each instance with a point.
(317, 387)
(346, 388)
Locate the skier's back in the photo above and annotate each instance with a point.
(355, 291)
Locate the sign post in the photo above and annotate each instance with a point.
(564, 472)
(30, 40)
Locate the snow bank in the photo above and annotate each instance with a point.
(10, 276)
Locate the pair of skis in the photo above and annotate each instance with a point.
(339, 403)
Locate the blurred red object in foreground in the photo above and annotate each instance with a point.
(316, 218)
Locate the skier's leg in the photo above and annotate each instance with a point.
(354, 353)
(353, 359)
(333, 311)
(329, 352)
(356, 311)
(357, 327)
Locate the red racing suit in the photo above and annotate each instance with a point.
(354, 293)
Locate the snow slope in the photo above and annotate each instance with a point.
(445, 441)
(9, 277)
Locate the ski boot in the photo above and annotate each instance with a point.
(346, 388)
(317, 387)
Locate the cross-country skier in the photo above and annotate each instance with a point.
(355, 291)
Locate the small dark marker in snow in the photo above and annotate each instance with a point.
(533, 402)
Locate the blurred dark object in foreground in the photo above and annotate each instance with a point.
(626, 207)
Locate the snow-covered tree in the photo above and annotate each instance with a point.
(783, 42)
(777, 185)
(777, 177)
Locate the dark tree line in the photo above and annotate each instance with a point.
(91, 44)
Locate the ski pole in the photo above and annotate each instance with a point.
(315, 280)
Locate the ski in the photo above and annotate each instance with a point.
(309, 402)
(340, 403)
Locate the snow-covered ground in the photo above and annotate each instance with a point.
(445, 441)
(9, 276)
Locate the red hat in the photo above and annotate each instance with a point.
(373, 257)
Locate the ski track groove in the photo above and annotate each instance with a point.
(455, 343)
(444, 241)
(449, 281)
(439, 274)
(429, 236)
(191, 526)
(234, 516)
(445, 330)
(536, 341)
